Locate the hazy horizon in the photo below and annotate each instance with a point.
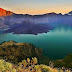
(37, 6)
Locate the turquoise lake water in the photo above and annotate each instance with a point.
(55, 44)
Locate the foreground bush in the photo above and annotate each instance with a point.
(6, 66)
(27, 66)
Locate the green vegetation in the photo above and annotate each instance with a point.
(66, 62)
(17, 53)
(14, 52)
(27, 66)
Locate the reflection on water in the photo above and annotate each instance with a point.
(56, 43)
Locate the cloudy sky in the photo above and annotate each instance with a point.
(37, 6)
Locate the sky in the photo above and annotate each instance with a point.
(37, 6)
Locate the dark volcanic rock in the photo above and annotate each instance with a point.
(29, 28)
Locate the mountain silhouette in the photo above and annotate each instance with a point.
(4, 12)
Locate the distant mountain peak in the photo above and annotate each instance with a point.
(5, 12)
(70, 13)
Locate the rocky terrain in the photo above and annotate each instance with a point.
(29, 28)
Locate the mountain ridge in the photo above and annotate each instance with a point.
(4, 12)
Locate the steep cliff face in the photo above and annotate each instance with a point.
(5, 12)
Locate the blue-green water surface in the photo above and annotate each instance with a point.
(55, 44)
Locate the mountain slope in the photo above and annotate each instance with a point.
(5, 12)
